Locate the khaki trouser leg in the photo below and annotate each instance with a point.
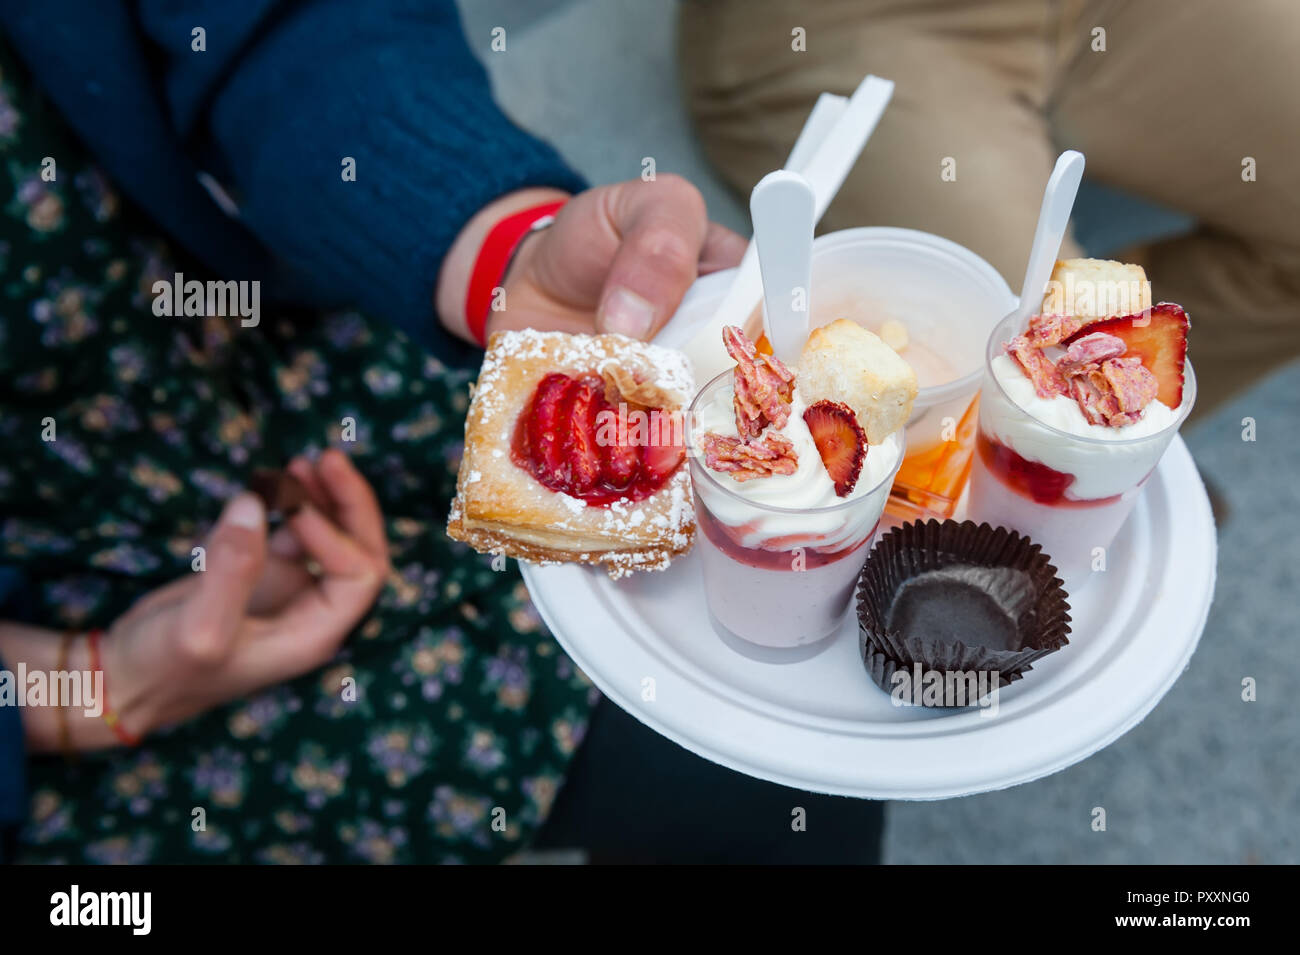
(977, 105)
(1185, 90)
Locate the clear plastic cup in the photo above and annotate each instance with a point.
(1070, 493)
(779, 576)
(948, 299)
(946, 296)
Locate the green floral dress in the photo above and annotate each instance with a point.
(466, 712)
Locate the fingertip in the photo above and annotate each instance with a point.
(333, 461)
(245, 511)
(624, 312)
(722, 249)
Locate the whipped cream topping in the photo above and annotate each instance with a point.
(1064, 413)
(808, 489)
(1100, 470)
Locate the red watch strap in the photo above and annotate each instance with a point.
(493, 257)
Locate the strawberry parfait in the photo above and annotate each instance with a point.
(1076, 411)
(791, 472)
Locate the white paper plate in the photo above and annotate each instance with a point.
(819, 723)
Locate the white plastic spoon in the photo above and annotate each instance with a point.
(827, 167)
(830, 164)
(826, 112)
(782, 209)
(1053, 218)
(746, 286)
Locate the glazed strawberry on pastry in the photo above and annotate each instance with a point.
(582, 453)
(568, 438)
(665, 450)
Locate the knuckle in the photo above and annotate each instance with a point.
(376, 575)
(229, 557)
(667, 248)
(323, 651)
(684, 191)
(202, 645)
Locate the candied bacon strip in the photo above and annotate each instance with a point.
(1106, 403)
(1045, 330)
(1048, 381)
(1089, 350)
(746, 460)
(750, 419)
(1095, 400)
(1114, 392)
(763, 386)
(1131, 382)
(1088, 399)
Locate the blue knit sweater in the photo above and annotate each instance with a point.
(281, 95)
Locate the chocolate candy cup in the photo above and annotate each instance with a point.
(958, 598)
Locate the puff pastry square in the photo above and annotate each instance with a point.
(501, 508)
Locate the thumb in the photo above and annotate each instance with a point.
(236, 553)
(662, 225)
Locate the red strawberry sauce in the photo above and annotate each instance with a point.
(1031, 479)
(726, 540)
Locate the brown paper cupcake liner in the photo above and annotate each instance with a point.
(882, 668)
(958, 597)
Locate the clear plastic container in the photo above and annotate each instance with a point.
(946, 296)
(780, 576)
(948, 299)
(1070, 493)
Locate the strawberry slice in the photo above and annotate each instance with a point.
(1158, 340)
(840, 442)
(586, 397)
(664, 450)
(621, 457)
(562, 439)
(544, 434)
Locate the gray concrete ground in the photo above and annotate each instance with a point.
(1206, 777)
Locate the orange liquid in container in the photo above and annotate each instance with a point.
(932, 479)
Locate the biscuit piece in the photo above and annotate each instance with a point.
(844, 362)
(1093, 289)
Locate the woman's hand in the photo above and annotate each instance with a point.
(617, 259)
(256, 616)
